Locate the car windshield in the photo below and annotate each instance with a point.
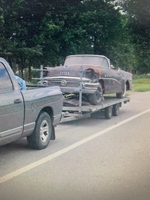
(87, 60)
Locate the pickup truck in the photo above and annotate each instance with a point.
(31, 113)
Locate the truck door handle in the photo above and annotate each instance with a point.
(17, 101)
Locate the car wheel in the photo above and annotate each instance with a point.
(41, 135)
(96, 97)
(123, 93)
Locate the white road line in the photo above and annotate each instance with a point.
(65, 150)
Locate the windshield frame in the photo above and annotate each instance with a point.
(91, 60)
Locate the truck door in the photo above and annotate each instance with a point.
(11, 109)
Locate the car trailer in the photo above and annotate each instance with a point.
(74, 109)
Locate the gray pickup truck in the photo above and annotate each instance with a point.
(31, 113)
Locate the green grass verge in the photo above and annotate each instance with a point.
(141, 83)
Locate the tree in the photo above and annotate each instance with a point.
(139, 18)
(46, 31)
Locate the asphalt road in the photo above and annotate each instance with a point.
(91, 159)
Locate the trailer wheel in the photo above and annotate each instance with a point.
(41, 135)
(115, 110)
(108, 112)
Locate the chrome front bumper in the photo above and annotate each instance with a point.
(87, 88)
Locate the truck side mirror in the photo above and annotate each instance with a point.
(112, 66)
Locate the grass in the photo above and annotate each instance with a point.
(141, 83)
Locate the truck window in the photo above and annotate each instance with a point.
(5, 82)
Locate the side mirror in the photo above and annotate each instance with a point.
(112, 66)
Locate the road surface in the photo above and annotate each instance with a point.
(91, 159)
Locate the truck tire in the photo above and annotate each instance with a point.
(41, 135)
(96, 97)
(108, 112)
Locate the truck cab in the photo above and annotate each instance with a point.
(11, 107)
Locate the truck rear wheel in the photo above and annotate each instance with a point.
(41, 135)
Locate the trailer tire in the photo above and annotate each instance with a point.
(115, 110)
(41, 135)
(108, 112)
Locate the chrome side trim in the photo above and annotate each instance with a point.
(29, 124)
(11, 132)
(28, 129)
(113, 79)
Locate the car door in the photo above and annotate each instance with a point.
(112, 80)
(11, 109)
(116, 80)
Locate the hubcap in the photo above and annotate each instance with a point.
(44, 131)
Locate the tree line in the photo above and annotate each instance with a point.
(35, 32)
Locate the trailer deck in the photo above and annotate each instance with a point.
(78, 110)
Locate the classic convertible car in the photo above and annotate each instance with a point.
(91, 72)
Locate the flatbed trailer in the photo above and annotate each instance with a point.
(109, 106)
(74, 109)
